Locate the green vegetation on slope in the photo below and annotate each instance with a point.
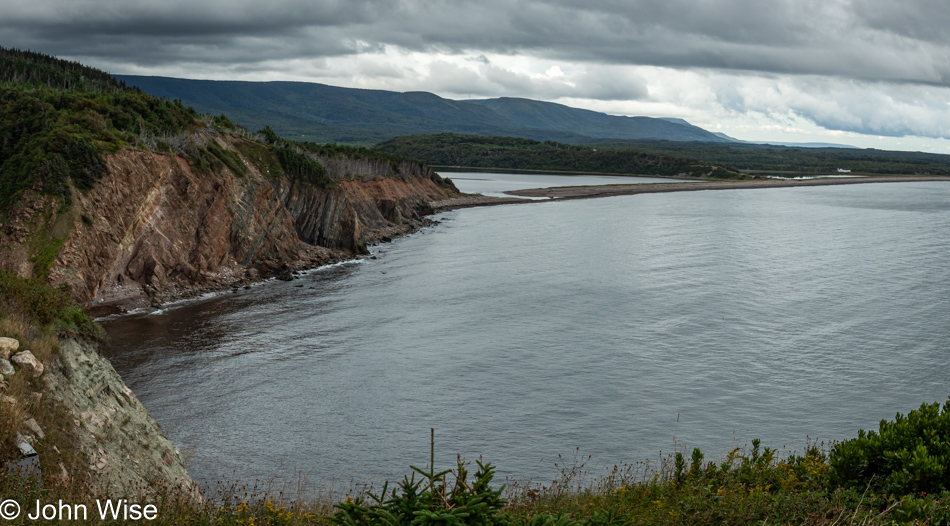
(299, 158)
(294, 161)
(27, 67)
(750, 485)
(36, 315)
(312, 112)
(58, 118)
(53, 136)
(558, 117)
(506, 152)
(758, 158)
(44, 307)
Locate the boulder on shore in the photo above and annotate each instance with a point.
(7, 347)
(27, 361)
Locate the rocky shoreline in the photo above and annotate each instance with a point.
(237, 277)
(474, 200)
(313, 257)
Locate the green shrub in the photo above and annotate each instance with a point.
(52, 137)
(48, 306)
(907, 456)
(294, 163)
(436, 504)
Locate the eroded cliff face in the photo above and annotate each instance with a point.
(360, 210)
(153, 226)
(89, 428)
(125, 449)
(155, 229)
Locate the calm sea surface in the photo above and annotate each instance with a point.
(525, 331)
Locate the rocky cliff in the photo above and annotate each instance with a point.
(195, 205)
(123, 447)
(156, 228)
(91, 432)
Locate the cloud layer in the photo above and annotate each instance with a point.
(865, 66)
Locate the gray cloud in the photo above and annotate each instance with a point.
(867, 39)
(491, 80)
(869, 66)
(880, 109)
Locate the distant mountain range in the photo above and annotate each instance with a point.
(537, 115)
(789, 144)
(321, 113)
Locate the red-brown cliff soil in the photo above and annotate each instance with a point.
(156, 229)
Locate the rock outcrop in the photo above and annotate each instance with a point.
(125, 448)
(8, 346)
(115, 446)
(156, 229)
(26, 361)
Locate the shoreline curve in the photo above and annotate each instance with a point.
(560, 193)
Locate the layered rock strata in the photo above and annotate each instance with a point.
(155, 229)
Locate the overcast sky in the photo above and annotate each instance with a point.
(871, 73)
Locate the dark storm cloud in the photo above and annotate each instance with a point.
(867, 39)
(213, 31)
(882, 67)
(841, 38)
(924, 20)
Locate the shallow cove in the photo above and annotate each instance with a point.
(522, 332)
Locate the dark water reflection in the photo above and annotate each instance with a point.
(520, 333)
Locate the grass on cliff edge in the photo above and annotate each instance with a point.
(37, 315)
(875, 478)
(749, 486)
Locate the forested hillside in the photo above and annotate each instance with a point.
(759, 158)
(448, 149)
(316, 112)
(57, 118)
(558, 117)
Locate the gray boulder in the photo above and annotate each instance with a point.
(7, 347)
(27, 361)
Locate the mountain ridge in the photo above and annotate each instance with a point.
(323, 113)
(559, 117)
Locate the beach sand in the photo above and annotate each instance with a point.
(589, 192)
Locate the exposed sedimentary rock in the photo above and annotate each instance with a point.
(124, 447)
(7, 347)
(154, 229)
(27, 362)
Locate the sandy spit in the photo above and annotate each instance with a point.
(589, 192)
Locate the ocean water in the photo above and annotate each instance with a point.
(622, 326)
